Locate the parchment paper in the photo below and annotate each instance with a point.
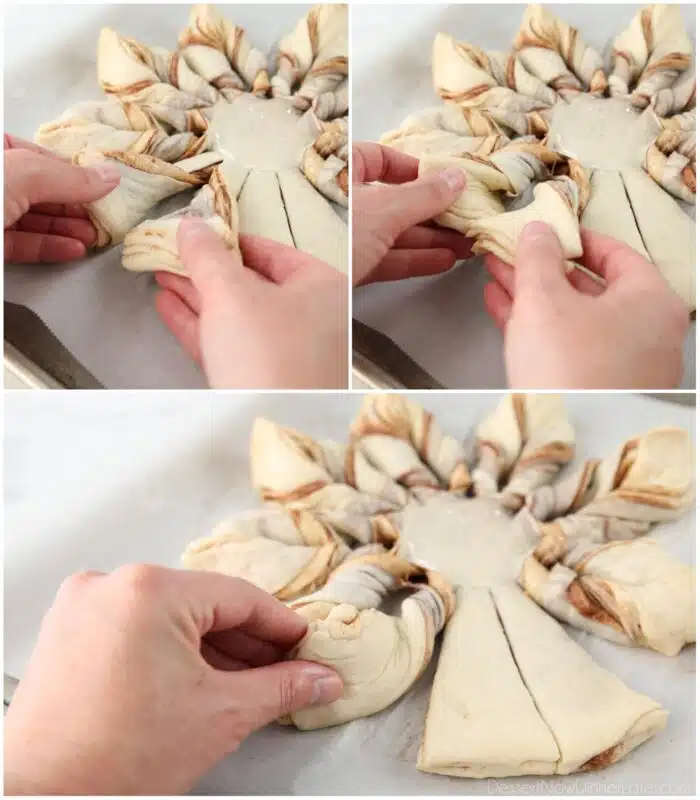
(103, 314)
(136, 476)
(441, 322)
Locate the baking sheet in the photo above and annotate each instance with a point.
(440, 322)
(102, 313)
(94, 483)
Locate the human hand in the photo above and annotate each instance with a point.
(388, 241)
(44, 216)
(279, 322)
(141, 680)
(569, 332)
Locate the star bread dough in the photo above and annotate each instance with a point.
(274, 147)
(609, 145)
(384, 541)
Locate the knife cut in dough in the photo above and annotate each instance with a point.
(405, 507)
(608, 130)
(482, 721)
(594, 718)
(213, 96)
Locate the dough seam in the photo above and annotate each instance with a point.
(525, 684)
(634, 213)
(284, 206)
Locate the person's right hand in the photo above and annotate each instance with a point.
(279, 322)
(142, 679)
(569, 332)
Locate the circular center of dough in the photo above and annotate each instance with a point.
(261, 134)
(606, 134)
(471, 542)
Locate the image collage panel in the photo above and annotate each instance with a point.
(349, 399)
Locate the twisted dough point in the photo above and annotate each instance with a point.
(554, 52)
(653, 51)
(207, 27)
(404, 440)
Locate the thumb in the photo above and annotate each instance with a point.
(540, 272)
(32, 178)
(427, 196)
(264, 694)
(211, 266)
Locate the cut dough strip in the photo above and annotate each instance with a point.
(668, 233)
(482, 721)
(378, 656)
(316, 227)
(608, 211)
(594, 718)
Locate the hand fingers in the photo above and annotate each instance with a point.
(421, 199)
(15, 143)
(265, 694)
(423, 237)
(32, 178)
(374, 162)
(540, 272)
(79, 229)
(36, 248)
(182, 287)
(214, 270)
(400, 264)
(280, 263)
(239, 645)
(504, 274)
(612, 259)
(498, 303)
(220, 661)
(61, 210)
(182, 322)
(221, 603)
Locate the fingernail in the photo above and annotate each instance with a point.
(454, 178)
(108, 173)
(327, 685)
(536, 230)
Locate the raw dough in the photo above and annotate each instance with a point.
(402, 507)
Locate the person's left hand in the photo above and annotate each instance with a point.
(45, 220)
(390, 204)
(143, 679)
